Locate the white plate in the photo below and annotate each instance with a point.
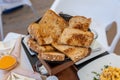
(85, 73)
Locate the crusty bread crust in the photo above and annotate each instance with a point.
(76, 37)
(37, 48)
(52, 56)
(74, 53)
(46, 52)
(80, 22)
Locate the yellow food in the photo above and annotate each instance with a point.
(7, 62)
(110, 73)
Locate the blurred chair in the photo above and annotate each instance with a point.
(6, 5)
(104, 13)
(1, 29)
(102, 33)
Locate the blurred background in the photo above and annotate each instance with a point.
(18, 19)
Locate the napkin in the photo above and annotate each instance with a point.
(21, 74)
(7, 47)
(15, 76)
(18, 70)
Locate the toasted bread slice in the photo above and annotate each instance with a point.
(33, 30)
(46, 52)
(37, 48)
(80, 22)
(76, 37)
(75, 53)
(52, 56)
(51, 27)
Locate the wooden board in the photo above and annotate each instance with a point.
(68, 74)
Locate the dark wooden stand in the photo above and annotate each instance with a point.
(69, 73)
(63, 70)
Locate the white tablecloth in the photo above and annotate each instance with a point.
(24, 60)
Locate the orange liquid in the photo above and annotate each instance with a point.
(7, 61)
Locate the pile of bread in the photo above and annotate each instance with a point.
(53, 37)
